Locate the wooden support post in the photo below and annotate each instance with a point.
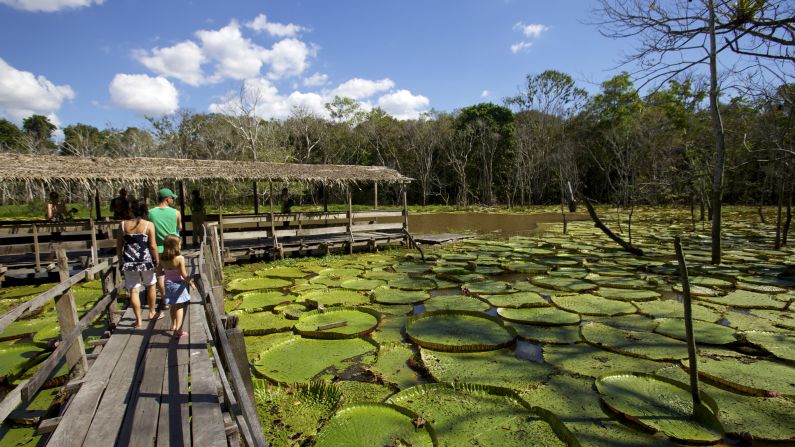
(183, 230)
(256, 197)
(238, 345)
(325, 199)
(67, 318)
(221, 233)
(273, 222)
(375, 196)
(108, 284)
(36, 249)
(97, 204)
(94, 248)
(691, 341)
(405, 214)
(350, 218)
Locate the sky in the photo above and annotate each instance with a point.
(111, 63)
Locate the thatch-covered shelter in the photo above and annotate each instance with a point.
(54, 169)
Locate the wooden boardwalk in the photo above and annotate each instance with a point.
(147, 388)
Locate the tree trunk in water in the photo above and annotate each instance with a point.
(720, 142)
(778, 214)
(788, 220)
(610, 234)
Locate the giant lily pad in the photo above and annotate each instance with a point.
(587, 304)
(322, 323)
(526, 267)
(675, 309)
(328, 298)
(261, 323)
(489, 287)
(496, 368)
(778, 344)
(703, 332)
(542, 316)
(623, 283)
(362, 284)
(563, 283)
(293, 414)
(478, 415)
(340, 272)
(368, 425)
(392, 365)
(547, 334)
(282, 272)
(748, 375)
(255, 301)
(516, 300)
(645, 345)
(586, 360)
(760, 288)
(627, 294)
(455, 302)
(698, 291)
(388, 295)
(412, 283)
(744, 299)
(16, 358)
(246, 284)
(299, 360)
(458, 331)
(661, 404)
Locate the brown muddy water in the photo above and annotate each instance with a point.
(489, 223)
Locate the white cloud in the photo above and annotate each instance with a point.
(49, 5)
(144, 94)
(485, 94)
(260, 23)
(182, 61)
(288, 57)
(402, 104)
(236, 56)
(316, 80)
(358, 88)
(23, 94)
(520, 46)
(531, 31)
(269, 103)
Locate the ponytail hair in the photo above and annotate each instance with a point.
(170, 248)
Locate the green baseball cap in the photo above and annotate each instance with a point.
(165, 192)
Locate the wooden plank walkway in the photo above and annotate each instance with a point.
(147, 388)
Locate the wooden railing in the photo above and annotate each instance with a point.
(71, 341)
(232, 361)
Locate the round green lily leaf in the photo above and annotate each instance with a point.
(627, 294)
(489, 287)
(480, 415)
(495, 368)
(635, 322)
(748, 375)
(611, 271)
(647, 345)
(388, 295)
(464, 278)
(767, 280)
(299, 360)
(548, 334)
(355, 392)
(526, 267)
(337, 322)
(744, 299)
(707, 281)
(330, 281)
(406, 283)
(282, 272)
(459, 257)
(675, 309)
(16, 358)
(516, 300)
(261, 323)
(392, 366)
(587, 304)
(586, 360)
(23, 328)
(247, 284)
(487, 269)
(7, 293)
(291, 311)
(563, 284)
(764, 418)
(704, 332)
(413, 268)
(542, 316)
(779, 344)
(392, 309)
(623, 283)
(760, 288)
(258, 300)
(698, 291)
(340, 272)
(42, 337)
(447, 269)
(661, 404)
(570, 272)
(301, 288)
(455, 302)
(293, 414)
(383, 275)
(458, 331)
(558, 261)
(327, 298)
(362, 284)
(391, 329)
(368, 425)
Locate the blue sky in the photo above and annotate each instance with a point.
(110, 62)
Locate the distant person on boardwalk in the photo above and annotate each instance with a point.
(287, 201)
(167, 221)
(120, 206)
(177, 282)
(56, 209)
(137, 252)
(197, 213)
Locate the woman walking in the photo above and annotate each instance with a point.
(137, 252)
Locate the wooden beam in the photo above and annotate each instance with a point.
(350, 217)
(36, 249)
(273, 223)
(375, 196)
(256, 197)
(97, 204)
(67, 318)
(94, 248)
(183, 230)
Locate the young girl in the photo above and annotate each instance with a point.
(177, 282)
(137, 252)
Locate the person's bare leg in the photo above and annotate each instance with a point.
(161, 286)
(150, 300)
(178, 314)
(172, 311)
(135, 302)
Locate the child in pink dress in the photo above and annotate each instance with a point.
(177, 282)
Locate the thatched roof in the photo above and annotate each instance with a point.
(63, 169)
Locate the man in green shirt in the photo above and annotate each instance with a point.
(166, 220)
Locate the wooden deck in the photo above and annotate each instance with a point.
(147, 388)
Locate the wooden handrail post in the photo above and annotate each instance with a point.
(350, 217)
(238, 346)
(108, 284)
(181, 186)
(36, 249)
(94, 248)
(67, 318)
(405, 214)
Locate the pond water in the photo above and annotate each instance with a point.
(486, 223)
